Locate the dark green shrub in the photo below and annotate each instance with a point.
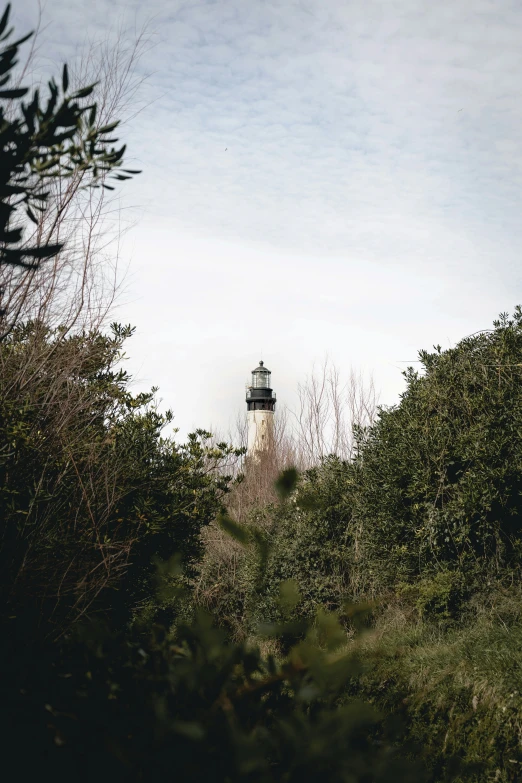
(90, 490)
(42, 143)
(194, 707)
(438, 598)
(438, 478)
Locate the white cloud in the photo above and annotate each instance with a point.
(367, 203)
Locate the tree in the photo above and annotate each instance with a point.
(329, 412)
(41, 141)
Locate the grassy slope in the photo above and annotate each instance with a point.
(463, 685)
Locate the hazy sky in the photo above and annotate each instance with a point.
(319, 177)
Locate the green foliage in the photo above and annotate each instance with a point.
(433, 498)
(237, 532)
(127, 708)
(45, 141)
(425, 523)
(437, 483)
(286, 483)
(307, 541)
(289, 597)
(459, 691)
(90, 490)
(425, 520)
(439, 597)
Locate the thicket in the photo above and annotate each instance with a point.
(109, 671)
(425, 524)
(94, 503)
(433, 495)
(362, 623)
(90, 490)
(103, 677)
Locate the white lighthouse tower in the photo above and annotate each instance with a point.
(260, 400)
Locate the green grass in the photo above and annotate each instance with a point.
(458, 688)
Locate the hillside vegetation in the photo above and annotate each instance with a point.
(177, 611)
(424, 526)
(368, 622)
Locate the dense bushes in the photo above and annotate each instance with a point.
(308, 540)
(425, 524)
(94, 502)
(438, 478)
(90, 491)
(143, 697)
(433, 498)
(111, 671)
(195, 708)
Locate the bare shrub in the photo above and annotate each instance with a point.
(329, 409)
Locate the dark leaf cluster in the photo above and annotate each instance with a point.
(43, 139)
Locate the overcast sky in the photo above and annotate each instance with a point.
(319, 177)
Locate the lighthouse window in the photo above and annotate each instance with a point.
(261, 380)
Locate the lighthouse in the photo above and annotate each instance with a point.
(260, 400)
